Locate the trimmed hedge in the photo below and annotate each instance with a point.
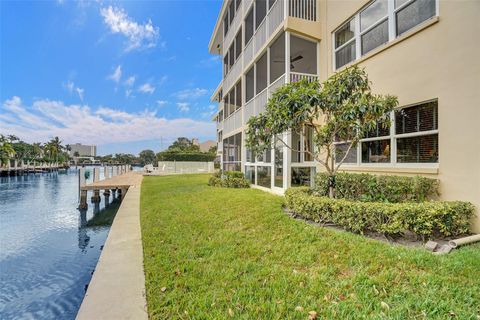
(426, 219)
(229, 179)
(378, 188)
(188, 156)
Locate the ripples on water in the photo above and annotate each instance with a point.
(48, 249)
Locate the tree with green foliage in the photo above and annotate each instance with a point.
(147, 157)
(342, 109)
(183, 144)
(183, 149)
(6, 150)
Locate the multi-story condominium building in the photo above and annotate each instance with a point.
(83, 150)
(414, 49)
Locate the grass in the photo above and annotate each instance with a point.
(214, 253)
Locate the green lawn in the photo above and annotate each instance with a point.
(213, 253)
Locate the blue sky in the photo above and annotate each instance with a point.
(123, 75)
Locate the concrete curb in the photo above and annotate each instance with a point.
(117, 288)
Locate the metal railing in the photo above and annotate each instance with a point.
(275, 17)
(260, 36)
(303, 9)
(233, 122)
(297, 76)
(232, 77)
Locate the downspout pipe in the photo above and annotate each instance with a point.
(463, 241)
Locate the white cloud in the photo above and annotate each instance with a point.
(183, 106)
(212, 107)
(80, 92)
(116, 75)
(140, 36)
(79, 123)
(146, 88)
(130, 81)
(161, 103)
(70, 86)
(190, 93)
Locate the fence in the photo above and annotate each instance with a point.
(167, 167)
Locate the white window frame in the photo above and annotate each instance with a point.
(302, 162)
(393, 136)
(392, 32)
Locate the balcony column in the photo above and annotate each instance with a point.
(287, 160)
(287, 56)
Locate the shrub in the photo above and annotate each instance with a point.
(447, 218)
(368, 187)
(229, 179)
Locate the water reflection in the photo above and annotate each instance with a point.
(48, 248)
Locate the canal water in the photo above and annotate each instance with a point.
(48, 248)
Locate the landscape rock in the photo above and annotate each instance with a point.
(431, 246)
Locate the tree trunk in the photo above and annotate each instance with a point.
(331, 186)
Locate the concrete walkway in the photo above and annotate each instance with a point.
(117, 288)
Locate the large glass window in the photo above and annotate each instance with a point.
(374, 25)
(232, 151)
(345, 44)
(414, 134)
(421, 149)
(377, 151)
(375, 37)
(264, 176)
(423, 117)
(341, 152)
(278, 179)
(414, 13)
(373, 13)
(250, 174)
(296, 147)
(302, 176)
(417, 130)
(369, 28)
(308, 143)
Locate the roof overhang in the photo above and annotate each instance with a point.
(215, 93)
(215, 44)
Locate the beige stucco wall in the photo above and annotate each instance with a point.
(439, 60)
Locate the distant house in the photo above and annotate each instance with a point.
(204, 146)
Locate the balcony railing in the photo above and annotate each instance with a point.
(257, 104)
(232, 77)
(273, 20)
(233, 122)
(303, 9)
(297, 76)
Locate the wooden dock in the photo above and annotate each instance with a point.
(123, 181)
(117, 180)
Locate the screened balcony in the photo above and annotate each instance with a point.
(271, 71)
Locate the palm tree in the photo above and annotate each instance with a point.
(36, 150)
(6, 151)
(54, 147)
